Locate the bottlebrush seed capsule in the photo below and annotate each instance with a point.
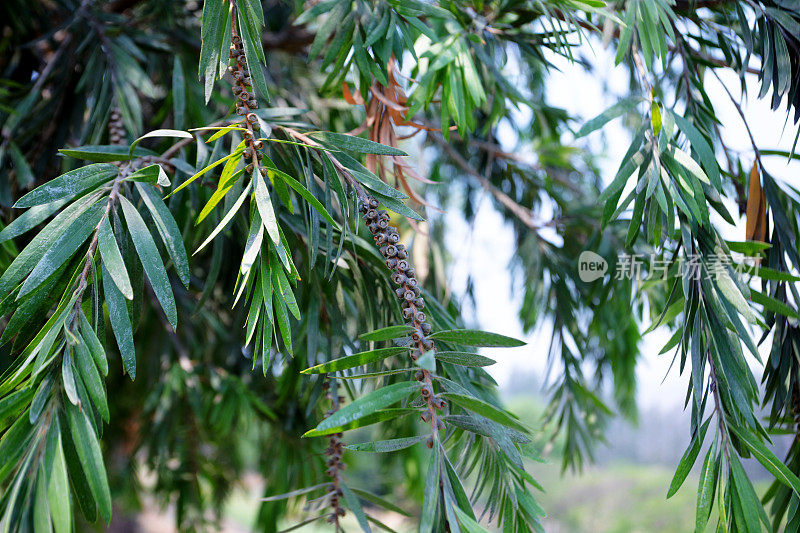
(419, 316)
(371, 214)
(391, 263)
(427, 344)
(419, 303)
(249, 168)
(251, 117)
(263, 172)
(408, 295)
(426, 416)
(391, 251)
(240, 111)
(259, 156)
(426, 328)
(416, 337)
(400, 292)
(407, 312)
(253, 103)
(403, 265)
(394, 238)
(236, 40)
(258, 145)
(429, 442)
(373, 203)
(419, 375)
(426, 390)
(411, 273)
(383, 224)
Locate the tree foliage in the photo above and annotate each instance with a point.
(206, 274)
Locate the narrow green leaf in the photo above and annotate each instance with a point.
(385, 334)
(356, 359)
(95, 347)
(151, 260)
(473, 337)
(91, 459)
(379, 416)
(120, 323)
(69, 185)
(168, 229)
(687, 461)
(63, 248)
(486, 410)
(112, 258)
(369, 404)
(464, 359)
(30, 219)
(382, 446)
(357, 144)
(91, 378)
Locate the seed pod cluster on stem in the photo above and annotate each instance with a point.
(245, 102)
(116, 127)
(333, 454)
(410, 295)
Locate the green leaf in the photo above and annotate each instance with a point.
(168, 229)
(700, 145)
(63, 248)
(379, 416)
(227, 218)
(112, 258)
(706, 489)
(42, 242)
(178, 93)
(427, 361)
(356, 144)
(265, 209)
(687, 461)
(386, 334)
(30, 219)
(356, 359)
(91, 459)
(382, 446)
(58, 495)
(179, 134)
(430, 501)
(369, 404)
(152, 174)
(377, 500)
(69, 185)
(474, 337)
(120, 323)
(768, 459)
(151, 260)
(95, 347)
(91, 379)
(355, 506)
(106, 153)
(771, 304)
(486, 410)
(464, 359)
(251, 41)
(617, 110)
(307, 196)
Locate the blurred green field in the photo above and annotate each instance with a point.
(615, 497)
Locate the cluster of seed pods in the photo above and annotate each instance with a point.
(245, 104)
(116, 127)
(409, 294)
(334, 462)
